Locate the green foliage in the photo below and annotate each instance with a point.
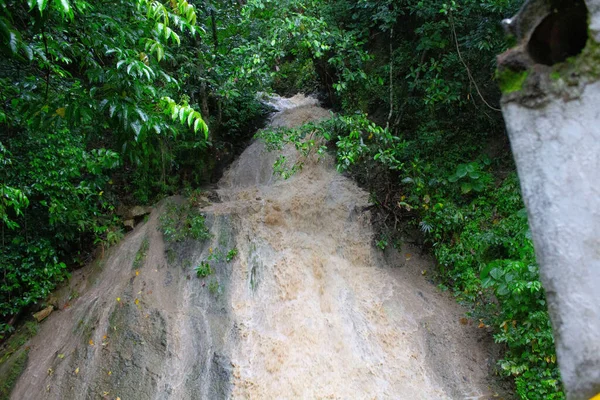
(85, 112)
(181, 222)
(186, 115)
(491, 262)
(382, 243)
(231, 254)
(306, 140)
(203, 270)
(471, 177)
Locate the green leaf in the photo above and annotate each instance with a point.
(13, 42)
(461, 170)
(65, 7)
(42, 4)
(486, 271)
(137, 128)
(496, 273)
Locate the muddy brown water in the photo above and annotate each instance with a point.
(308, 309)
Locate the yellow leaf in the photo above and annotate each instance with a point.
(118, 299)
(77, 371)
(61, 356)
(61, 112)
(109, 373)
(91, 342)
(105, 393)
(137, 273)
(50, 371)
(408, 256)
(104, 337)
(137, 302)
(424, 272)
(101, 193)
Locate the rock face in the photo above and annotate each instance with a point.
(133, 215)
(41, 315)
(553, 120)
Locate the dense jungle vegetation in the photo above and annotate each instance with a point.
(124, 102)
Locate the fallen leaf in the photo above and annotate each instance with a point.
(104, 337)
(464, 321)
(137, 273)
(109, 373)
(61, 356)
(105, 393)
(91, 342)
(77, 371)
(424, 272)
(137, 302)
(50, 371)
(118, 299)
(408, 256)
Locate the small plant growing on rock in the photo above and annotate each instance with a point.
(231, 254)
(382, 243)
(181, 222)
(203, 270)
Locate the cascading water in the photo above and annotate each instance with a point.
(307, 309)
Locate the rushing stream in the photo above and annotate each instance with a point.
(307, 309)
